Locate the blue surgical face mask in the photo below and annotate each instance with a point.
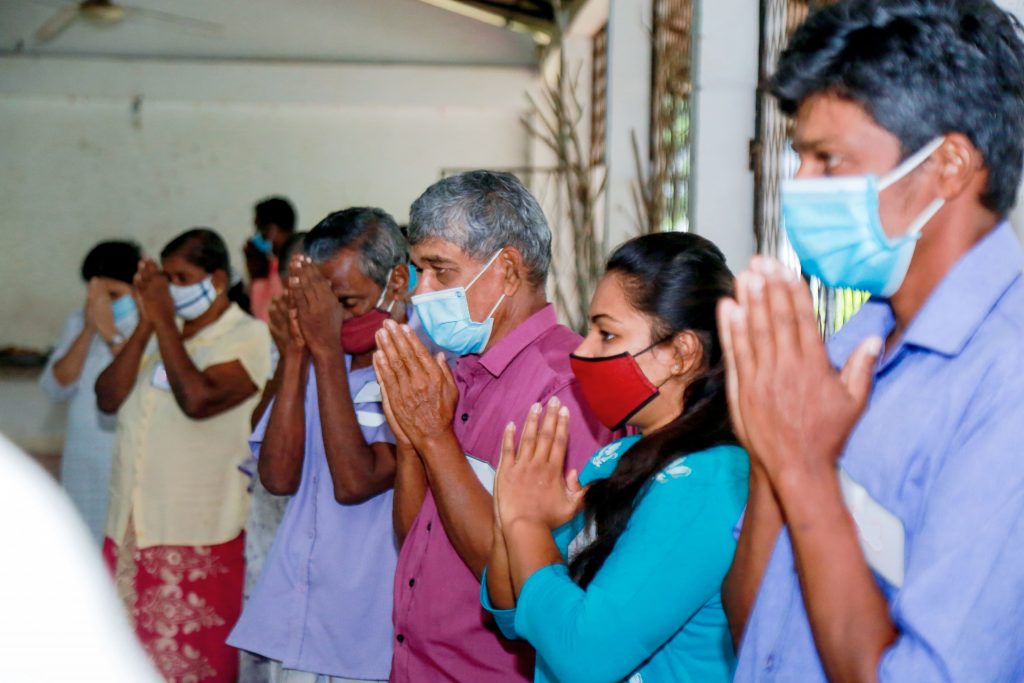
(445, 317)
(836, 231)
(413, 277)
(262, 244)
(191, 301)
(125, 313)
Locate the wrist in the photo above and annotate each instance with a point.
(439, 442)
(161, 324)
(324, 352)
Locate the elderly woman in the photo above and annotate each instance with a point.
(92, 336)
(183, 391)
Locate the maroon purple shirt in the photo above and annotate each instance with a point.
(441, 631)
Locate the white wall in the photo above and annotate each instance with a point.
(77, 166)
(725, 103)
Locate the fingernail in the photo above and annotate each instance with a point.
(563, 411)
(535, 408)
(767, 266)
(737, 314)
(510, 426)
(389, 324)
(553, 401)
(873, 345)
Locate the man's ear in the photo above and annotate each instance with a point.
(960, 165)
(398, 285)
(516, 274)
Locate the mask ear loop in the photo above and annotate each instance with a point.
(901, 171)
(384, 292)
(912, 162)
(484, 269)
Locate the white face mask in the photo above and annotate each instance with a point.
(191, 301)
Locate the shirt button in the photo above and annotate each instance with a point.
(400, 638)
(412, 582)
(429, 524)
(465, 417)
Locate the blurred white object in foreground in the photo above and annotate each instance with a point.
(60, 618)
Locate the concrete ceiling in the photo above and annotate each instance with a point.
(349, 31)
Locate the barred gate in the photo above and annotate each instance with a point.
(773, 161)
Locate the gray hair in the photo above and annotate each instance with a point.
(482, 212)
(370, 231)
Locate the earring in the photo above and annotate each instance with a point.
(676, 368)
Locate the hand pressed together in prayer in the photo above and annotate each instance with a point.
(420, 390)
(318, 313)
(791, 410)
(153, 296)
(529, 485)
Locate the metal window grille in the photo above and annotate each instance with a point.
(599, 97)
(773, 161)
(671, 90)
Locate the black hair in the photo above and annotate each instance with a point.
(921, 69)
(277, 211)
(116, 259)
(370, 231)
(201, 247)
(677, 279)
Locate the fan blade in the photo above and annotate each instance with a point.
(57, 24)
(180, 20)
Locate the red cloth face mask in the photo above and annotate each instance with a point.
(614, 387)
(358, 335)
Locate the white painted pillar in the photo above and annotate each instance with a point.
(722, 185)
(629, 109)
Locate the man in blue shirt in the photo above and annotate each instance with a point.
(884, 534)
(321, 610)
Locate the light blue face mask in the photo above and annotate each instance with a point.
(262, 244)
(445, 317)
(125, 313)
(836, 231)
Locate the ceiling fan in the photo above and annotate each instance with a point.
(107, 13)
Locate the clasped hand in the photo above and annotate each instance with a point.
(153, 294)
(315, 314)
(419, 390)
(791, 409)
(530, 486)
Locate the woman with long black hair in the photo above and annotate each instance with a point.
(616, 574)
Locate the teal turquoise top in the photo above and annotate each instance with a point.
(653, 612)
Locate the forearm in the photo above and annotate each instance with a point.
(762, 523)
(356, 471)
(284, 443)
(410, 490)
(188, 384)
(499, 578)
(849, 615)
(116, 381)
(530, 547)
(68, 369)
(465, 507)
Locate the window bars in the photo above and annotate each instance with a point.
(773, 160)
(599, 97)
(663, 193)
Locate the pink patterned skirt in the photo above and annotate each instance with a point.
(183, 602)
